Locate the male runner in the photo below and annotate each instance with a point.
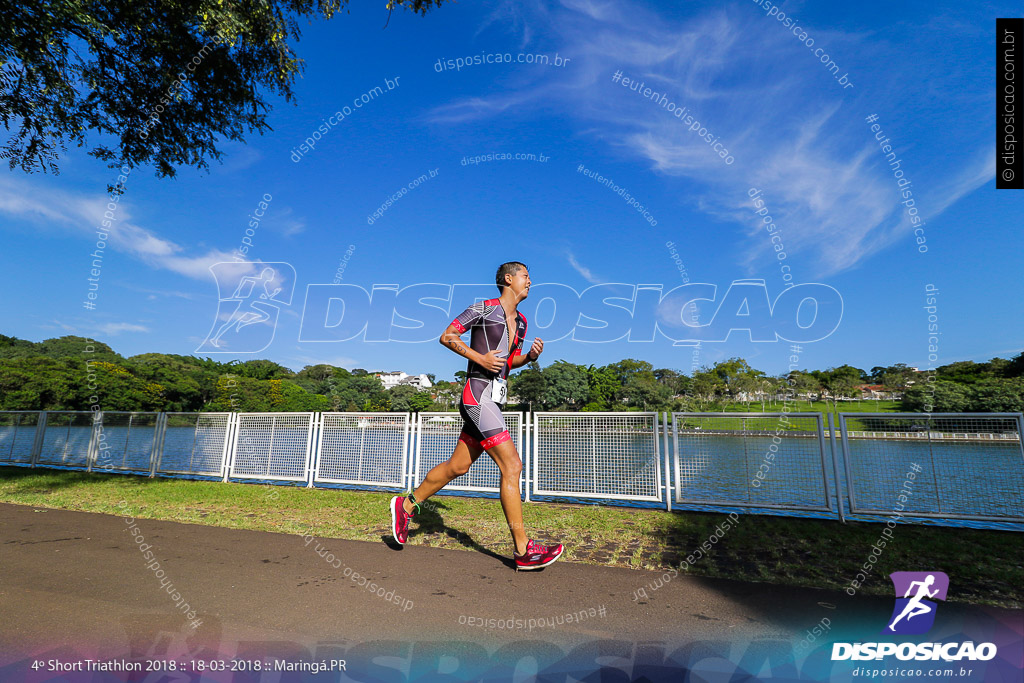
(493, 351)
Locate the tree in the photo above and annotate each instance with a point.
(316, 379)
(967, 371)
(263, 369)
(839, 382)
(565, 385)
(182, 381)
(68, 346)
(937, 396)
(40, 383)
(804, 383)
(603, 384)
(998, 396)
(705, 384)
(528, 386)
(400, 398)
(1015, 368)
(645, 393)
(151, 82)
(736, 376)
(447, 394)
(896, 378)
(628, 367)
(245, 394)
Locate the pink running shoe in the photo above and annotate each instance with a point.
(537, 555)
(400, 519)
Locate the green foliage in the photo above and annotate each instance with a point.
(235, 393)
(840, 382)
(69, 346)
(565, 386)
(992, 395)
(72, 68)
(74, 373)
(603, 384)
(938, 396)
(263, 369)
(969, 372)
(528, 386)
(40, 383)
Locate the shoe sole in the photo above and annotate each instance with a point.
(394, 521)
(539, 566)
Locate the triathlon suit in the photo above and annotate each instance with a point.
(484, 423)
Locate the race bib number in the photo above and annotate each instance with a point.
(499, 390)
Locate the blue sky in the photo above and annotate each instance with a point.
(924, 69)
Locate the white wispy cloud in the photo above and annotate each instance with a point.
(790, 128)
(83, 214)
(587, 274)
(112, 329)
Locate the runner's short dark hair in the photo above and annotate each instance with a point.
(510, 268)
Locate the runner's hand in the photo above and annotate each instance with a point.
(492, 361)
(536, 349)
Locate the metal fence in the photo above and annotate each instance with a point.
(276, 446)
(18, 432)
(436, 437)
(768, 460)
(363, 449)
(597, 455)
(939, 465)
(194, 444)
(963, 469)
(67, 439)
(126, 442)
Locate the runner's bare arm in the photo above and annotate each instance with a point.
(524, 358)
(452, 339)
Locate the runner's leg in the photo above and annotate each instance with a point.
(465, 454)
(507, 458)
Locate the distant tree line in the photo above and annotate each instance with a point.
(73, 373)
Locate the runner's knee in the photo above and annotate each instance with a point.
(511, 467)
(458, 467)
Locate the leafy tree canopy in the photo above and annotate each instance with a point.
(156, 83)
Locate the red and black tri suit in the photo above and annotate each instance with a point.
(484, 424)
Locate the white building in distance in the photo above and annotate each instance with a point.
(398, 378)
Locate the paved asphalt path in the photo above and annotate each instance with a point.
(75, 584)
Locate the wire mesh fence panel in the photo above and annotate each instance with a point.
(438, 433)
(125, 441)
(362, 448)
(604, 455)
(18, 435)
(194, 443)
(957, 466)
(771, 460)
(66, 439)
(272, 446)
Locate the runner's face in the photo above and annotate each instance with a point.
(519, 283)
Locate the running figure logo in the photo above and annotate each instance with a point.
(914, 612)
(247, 318)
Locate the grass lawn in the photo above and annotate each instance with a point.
(823, 407)
(984, 566)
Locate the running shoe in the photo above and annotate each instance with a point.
(537, 555)
(400, 519)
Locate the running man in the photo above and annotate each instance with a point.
(497, 330)
(915, 607)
